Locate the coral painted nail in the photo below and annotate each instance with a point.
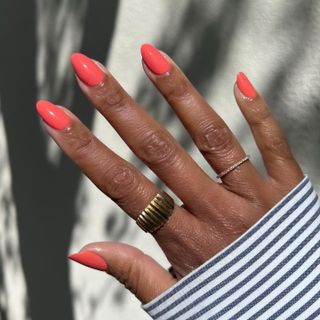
(54, 116)
(89, 259)
(154, 60)
(86, 69)
(245, 86)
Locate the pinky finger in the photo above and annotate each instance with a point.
(138, 272)
(277, 156)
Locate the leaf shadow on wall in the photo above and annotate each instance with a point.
(44, 194)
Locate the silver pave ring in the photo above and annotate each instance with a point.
(237, 164)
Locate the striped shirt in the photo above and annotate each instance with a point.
(271, 272)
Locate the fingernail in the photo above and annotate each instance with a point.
(54, 116)
(89, 259)
(245, 86)
(154, 59)
(86, 69)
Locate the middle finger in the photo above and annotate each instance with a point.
(148, 140)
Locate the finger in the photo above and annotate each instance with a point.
(138, 272)
(149, 141)
(114, 176)
(210, 133)
(129, 188)
(277, 156)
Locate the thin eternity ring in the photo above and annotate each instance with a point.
(237, 164)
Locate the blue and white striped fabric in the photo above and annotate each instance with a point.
(271, 272)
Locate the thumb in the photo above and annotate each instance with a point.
(139, 273)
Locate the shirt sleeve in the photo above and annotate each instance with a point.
(271, 272)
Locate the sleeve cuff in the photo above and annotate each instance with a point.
(271, 270)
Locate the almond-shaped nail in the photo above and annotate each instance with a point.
(86, 69)
(245, 86)
(154, 59)
(89, 259)
(54, 116)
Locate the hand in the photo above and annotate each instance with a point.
(213, 214)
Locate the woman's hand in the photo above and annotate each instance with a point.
(213, 214)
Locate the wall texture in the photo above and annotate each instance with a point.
(47, 208)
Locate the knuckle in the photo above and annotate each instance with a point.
(122, 181)
(178, 92)
(114, 97)
(133, 277)
(157, 148)
(214, 138)
(277, 144)
(81, 142)
(234, 225)
(261, 115)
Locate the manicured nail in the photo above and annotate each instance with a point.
(89, 259)
(154, 59)
(54, 116)
(245, 86)
(86, 69)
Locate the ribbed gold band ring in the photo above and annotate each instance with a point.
(157, 213)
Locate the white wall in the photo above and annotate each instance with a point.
(277, 44)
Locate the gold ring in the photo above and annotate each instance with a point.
(157, 213)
